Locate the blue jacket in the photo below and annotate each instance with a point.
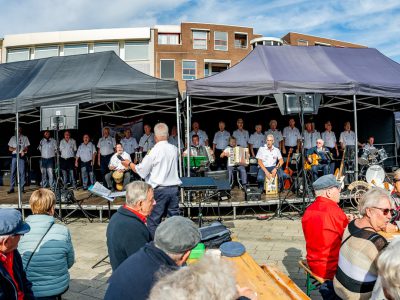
(8, 290)
(135, 277)
(48, 268)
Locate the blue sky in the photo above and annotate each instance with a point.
(374, 23)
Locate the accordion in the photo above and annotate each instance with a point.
(238, 156)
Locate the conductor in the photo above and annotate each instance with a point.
(159, 168)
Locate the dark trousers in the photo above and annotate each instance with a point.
(167, 204)
(87, 174)
(104, 162)
(220, 162)
(324, 167)
(67, 167)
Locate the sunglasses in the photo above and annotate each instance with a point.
(385, 211)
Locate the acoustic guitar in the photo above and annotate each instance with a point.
(314, 161)
(288, 182)
(339, 171)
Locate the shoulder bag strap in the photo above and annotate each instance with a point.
(37, 246)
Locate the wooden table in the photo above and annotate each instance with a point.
(268, 282)
(389, 236)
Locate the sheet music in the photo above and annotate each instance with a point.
(100, 190)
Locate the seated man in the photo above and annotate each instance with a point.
(173, 241)
(270, 162)
(230, 166)
(197, 150)
(324, 159)
(323, 225)
(116, 166)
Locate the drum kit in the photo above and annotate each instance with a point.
(371, 161)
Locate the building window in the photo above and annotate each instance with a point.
(44, 52)
(167, 69)
(220, 40)
(188, 69)
(76, 49)
(240, 40)
(18, 54)
(199, 39)
(322, 44)
(168, 38)
(214, 68)
(302, 42)
(102, 47)
(136, 51)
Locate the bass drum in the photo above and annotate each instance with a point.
(375, 175)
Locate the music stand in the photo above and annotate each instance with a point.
(199, 184)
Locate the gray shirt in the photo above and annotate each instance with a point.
(48, 148)
(221, 139)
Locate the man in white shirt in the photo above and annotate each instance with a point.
(203, 137)
(106, 147)
(278, 138)
(147, 140)
(173, 138)
(270, 162)
(47, 148)
(129, 143)
(241, 169)
(256, 140)
(348, 141)
(87, 154)
(220, 142)
(241, 135)
(291, 137)
(23, 144)
(329, 138)
(310, 136)
(67, 159)
(116, 165)
(160, 169)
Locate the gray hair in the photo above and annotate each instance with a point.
(321, 140)
(215, 274)
(371, 198)
(273, 121)
(270, 136)
(388, 268)
(161, 130)
(137, 191)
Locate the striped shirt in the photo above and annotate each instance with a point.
(357, 271)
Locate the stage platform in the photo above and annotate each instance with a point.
(100, 207)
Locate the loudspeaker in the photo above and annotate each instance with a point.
(291, 103)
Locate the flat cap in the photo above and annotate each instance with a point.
(11, 222)
(232, 249)
(325, 182)
(177, 235)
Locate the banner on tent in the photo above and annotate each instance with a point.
(117, 130)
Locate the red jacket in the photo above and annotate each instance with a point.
(323, 225)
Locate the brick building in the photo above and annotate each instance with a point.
(299, 39)
(195, 50)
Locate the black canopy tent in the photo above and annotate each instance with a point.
(91, 80)
(346, 77)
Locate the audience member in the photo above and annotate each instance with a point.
(173, 241)
(357, 271)
(209, 278)
(13, 282)
(127, 231)
(388, 284)
(323, 225)
(47, 251)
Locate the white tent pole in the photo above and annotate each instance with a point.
(178, 127)
(188, 134)
(356, 132)
(17, 159)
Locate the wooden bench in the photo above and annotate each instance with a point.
(313, 281)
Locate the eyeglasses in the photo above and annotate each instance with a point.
(385, 211)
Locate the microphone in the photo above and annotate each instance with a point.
(120, 157)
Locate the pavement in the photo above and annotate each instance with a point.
(275, 242)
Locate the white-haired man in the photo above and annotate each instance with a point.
(278, 138)
(127, 231)
(324, 159)
(159, 168)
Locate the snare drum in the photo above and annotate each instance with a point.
(363, 160)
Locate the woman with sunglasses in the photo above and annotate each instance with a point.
(361, 244)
